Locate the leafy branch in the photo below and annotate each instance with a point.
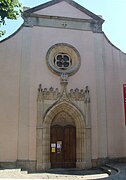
(10, 9)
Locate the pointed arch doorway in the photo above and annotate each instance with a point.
(82, 140)
(63, 141)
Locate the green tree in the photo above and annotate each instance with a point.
(10, 9)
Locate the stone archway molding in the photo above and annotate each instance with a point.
(83, 136)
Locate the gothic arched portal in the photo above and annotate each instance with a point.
(83, 144)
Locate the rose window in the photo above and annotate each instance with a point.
(62, 61)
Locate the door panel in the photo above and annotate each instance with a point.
(69, 146)
(56, 155)
(63, 155)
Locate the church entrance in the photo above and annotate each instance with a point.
(63, 146)
(63, 142)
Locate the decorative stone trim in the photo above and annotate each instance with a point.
(80, 95)
(67, 54)
(55, 94)
(63, 119)
(79, 98)
(45, 94)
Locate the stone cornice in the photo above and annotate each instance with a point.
(26, 15)
(62, 22)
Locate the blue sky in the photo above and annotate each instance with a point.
(113, 12)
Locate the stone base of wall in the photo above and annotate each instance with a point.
(28, 165)
(102, 161)
(99, 162)
(8, 165)
(117, 160)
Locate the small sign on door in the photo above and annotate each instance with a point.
(53, 149)
(59, 147)
(53, 145)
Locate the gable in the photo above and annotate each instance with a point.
(63, 9)
(63, 14)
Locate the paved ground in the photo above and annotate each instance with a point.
(66, 174)
(121, 175)
(17, 174)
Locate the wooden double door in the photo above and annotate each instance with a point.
(63, 146)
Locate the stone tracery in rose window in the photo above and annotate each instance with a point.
(62, 61)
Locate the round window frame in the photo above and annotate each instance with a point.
(66, 49)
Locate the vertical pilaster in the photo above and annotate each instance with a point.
(23, 136)
(39, 129)
(88, 147)
(101, 100)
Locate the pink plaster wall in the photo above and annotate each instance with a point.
(10, 53)
(41, 39)
(114, 99)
